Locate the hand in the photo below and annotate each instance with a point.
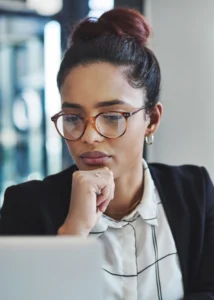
(90, 195)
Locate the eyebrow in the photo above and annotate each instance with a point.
(98, 105)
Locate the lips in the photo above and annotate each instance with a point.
(95, 154)
(95, 158)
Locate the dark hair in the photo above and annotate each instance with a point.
(119, 37)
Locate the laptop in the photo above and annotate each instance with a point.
(50, 268)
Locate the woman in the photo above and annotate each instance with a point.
(156, 221)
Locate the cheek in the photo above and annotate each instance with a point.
(72, 148)
(136, 130)
(128, 151)
(132, 141)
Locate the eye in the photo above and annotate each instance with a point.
(112, 117)
(71, 118)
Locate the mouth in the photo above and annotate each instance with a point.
(94, 158)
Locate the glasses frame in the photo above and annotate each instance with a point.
(92, 120)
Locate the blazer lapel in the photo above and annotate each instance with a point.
(170, 192)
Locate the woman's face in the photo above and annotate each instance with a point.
(90, 85)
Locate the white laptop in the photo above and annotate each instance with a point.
(50, 268)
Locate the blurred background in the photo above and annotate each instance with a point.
(33, 37)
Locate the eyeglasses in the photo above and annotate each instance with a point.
(109, 124)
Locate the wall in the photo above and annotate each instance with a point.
(183, 40)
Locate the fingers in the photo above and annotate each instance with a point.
(105, 194)
(103, 178)
(100, 182)
(99, 213)
(102, 208)
(103, 201)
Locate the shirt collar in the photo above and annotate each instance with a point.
(148, 205)
(147, 208)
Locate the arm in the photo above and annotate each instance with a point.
(204, 284)
(19, 214)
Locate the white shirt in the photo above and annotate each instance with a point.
(140, 261)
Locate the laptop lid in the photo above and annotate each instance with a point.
(50, 268)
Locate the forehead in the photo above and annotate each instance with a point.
(89, 84)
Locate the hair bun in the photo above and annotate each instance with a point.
(118, 21)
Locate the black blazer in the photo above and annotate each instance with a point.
(187, 194)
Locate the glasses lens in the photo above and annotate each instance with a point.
(70, 127)
(111, 124)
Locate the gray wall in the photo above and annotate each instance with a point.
(183, 40)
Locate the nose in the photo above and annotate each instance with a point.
(91, 135)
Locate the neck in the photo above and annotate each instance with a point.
(128, 191)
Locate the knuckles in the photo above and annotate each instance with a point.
(80, 178)
(86, 178)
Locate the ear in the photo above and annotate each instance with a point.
(154, 119)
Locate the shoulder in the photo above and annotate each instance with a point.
(35, 192)
(36, 207)
(180, 173)
(189, 183)
(179, 170)
(50, 183)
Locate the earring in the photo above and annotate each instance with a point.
(149, 139)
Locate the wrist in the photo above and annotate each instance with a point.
(72, 230)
